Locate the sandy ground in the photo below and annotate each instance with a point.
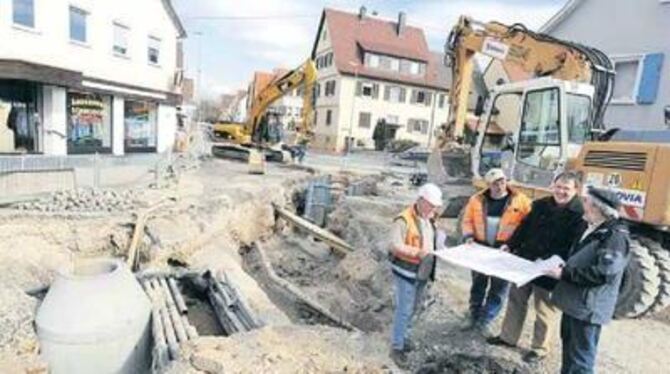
(221, 209)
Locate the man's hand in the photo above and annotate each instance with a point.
(555, 272)
(505, 248)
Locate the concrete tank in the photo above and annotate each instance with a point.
(95, 319)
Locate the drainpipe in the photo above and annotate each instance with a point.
(432, 118)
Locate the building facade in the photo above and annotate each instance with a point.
(376, 78)
(89, 76)
(638, 49)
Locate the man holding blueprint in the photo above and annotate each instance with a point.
(490, 218)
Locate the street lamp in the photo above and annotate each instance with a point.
(355, 65)
(198, 93)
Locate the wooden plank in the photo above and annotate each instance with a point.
(138, 232)
(314, 230)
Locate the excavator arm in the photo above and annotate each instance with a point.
(302, 77)
(538, 54)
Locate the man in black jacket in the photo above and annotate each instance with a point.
(552, 225)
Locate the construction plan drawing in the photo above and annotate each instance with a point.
(497, 263)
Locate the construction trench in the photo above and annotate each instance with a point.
(236, 281)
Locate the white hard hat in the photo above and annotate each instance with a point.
(431, 193)
(493, 175)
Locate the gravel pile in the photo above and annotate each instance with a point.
(84, 200)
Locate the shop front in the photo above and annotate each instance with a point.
(19, 116)
(140, 124)
(89, 125)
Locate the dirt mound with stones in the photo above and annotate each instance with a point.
(83, 200)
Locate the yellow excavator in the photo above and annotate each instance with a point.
(536, 128)
(249, 140)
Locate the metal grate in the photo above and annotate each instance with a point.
(616, 160)
(318, 200)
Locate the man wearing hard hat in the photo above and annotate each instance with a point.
(412, 241)
(490, 218)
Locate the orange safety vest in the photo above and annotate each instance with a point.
(412, 235)
(474, 218)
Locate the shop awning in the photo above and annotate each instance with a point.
(21, 70)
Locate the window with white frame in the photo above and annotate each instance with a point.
(154, 50)
(414, 68)
(441, 101)
(372, 60)
(364, 120)
(329, 117)
(23, 12)
(78, 27)
(627, 79)
(121, 33)
(417, 125)
(395, 64)
(330, 88)
(367, 89)
(394, 94)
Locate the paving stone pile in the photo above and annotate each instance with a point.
(83, 200)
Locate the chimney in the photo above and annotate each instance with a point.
(402, 19)
(362, 12)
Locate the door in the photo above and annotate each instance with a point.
(538, 150)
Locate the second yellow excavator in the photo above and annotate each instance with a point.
(244, 138)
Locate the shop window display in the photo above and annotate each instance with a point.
(89, 124)
(140, 126)
(19, 117)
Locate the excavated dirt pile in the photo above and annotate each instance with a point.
(286, 349)
(356, 287)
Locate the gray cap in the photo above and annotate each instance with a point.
(605, 196)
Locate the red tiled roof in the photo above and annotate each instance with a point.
(263, 79)
(351, 35)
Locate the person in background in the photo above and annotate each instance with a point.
(589, 281)
(412, 264)
(490, 218)
(559, 218)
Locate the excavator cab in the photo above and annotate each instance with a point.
(531, 129)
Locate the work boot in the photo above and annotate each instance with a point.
(469, 324)
(409, 345)
(484, 328)
(499, 341)
(399, 357)
(533, 357)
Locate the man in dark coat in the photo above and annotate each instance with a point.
(552, 225)
(589, 282)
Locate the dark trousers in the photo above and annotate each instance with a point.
(580, 345)
(486, 297)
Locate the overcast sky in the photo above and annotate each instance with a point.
(230, 39)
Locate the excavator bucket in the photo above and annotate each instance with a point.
(256, 161)
(451, 165)
(435, 167)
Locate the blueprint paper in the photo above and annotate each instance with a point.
(497, 263)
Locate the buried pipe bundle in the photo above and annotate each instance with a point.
(231, 311)
(170, 325)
